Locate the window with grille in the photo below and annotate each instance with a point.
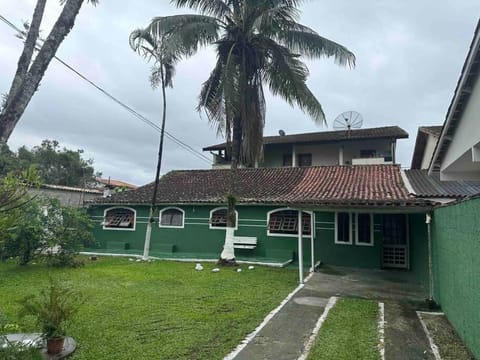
(304, 159)
(287, 160)
(171, 217)
(119, 218)
(218, 218)
(286, 222)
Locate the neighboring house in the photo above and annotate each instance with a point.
(110, 186)
(372, 146)
(356, 216)
(457, 154)
(425, 143)
(68, 196)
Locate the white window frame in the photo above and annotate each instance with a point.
(350, 215)
(171, 226)
(372, 241)
(119, 228)
(221, 227)
(287, 235)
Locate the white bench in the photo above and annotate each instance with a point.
(244, 242)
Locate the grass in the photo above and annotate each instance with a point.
(157, 310)
(349, 332)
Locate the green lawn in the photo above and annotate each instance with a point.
(158, 310)
(349, 332)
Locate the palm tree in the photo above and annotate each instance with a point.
(30, 69)
(258, 42)
(162, 73)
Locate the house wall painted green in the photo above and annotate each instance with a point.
(198, 240)
(456, 260)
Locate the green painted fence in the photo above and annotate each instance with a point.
(456, 260)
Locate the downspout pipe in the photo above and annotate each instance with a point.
(428, 221)
(300, 247)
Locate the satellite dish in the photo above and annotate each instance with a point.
(281, 132)
(348, 120)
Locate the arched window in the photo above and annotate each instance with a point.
(285, 222)
(119, 218)
(218, 218)
(172, 217)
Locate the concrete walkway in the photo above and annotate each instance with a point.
(285, 336)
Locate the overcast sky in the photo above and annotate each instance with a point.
(409, 56)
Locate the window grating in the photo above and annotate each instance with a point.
(219, 218)
(286, 222)
(119, 218)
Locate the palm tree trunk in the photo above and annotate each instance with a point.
(227, 257)
(151, 216)
(23, 91)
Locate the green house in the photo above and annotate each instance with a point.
(359, 216)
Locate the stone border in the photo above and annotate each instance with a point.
(308, 345)
(434, 347)
(381, 330)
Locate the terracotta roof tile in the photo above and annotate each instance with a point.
(317, 185)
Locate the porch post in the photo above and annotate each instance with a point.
(300, 248)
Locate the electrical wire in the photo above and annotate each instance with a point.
(126, 107)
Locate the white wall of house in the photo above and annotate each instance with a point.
(457, 163)
(429, 149)
(331, 153)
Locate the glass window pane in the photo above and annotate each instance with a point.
(364, 229)
(343, 227)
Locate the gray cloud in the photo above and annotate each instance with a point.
(409, 56)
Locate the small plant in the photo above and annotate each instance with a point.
(10, 350)
(53, 310)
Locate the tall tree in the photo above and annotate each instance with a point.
(162, 74)
(258, 42)
(55, 165)
(30, 72)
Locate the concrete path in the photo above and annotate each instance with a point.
(284, 337)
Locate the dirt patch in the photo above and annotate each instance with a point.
(329, 270)
(444, 336)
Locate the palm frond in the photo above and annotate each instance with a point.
(286, 76)
(308, 43)
(184, 34)
(216, 8)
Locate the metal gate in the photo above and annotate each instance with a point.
(395, 241)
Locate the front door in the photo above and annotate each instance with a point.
(395, 241)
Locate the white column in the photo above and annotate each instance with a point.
(294, 156)
(340, 155)
(300, 248)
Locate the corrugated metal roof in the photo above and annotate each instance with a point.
(386, 132)
(431, 186)
(369, 185)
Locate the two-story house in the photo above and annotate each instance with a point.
(374, 146)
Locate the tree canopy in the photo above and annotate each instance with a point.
(54, 165)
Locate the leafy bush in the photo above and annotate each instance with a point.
(48, 231)
(66, 231)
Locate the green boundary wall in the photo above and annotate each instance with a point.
(456, 261)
